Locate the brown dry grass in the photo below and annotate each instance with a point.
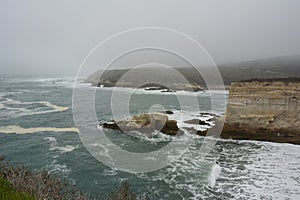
(124, 193)
(40, 185)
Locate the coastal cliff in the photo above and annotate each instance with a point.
(266, 110)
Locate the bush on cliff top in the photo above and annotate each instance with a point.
(38, 185)
(20, 183)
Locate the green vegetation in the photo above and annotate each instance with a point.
(7, 193)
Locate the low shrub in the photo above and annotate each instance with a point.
(20, 183)
(39, 185)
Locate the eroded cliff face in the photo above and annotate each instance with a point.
(264, 110)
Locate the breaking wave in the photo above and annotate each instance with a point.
(62, 149)
(158, 92)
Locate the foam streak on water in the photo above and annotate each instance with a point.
(21, 130)
(8, 108)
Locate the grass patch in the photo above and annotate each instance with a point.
(7, 193)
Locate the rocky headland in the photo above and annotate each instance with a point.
(167, 80)
(265, 109)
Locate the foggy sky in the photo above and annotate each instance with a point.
(53, 37)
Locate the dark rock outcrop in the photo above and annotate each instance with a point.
(197, 121)
(168, 112)
(146, 123)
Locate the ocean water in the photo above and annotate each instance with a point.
(37, 130)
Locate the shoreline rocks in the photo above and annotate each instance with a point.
(197, 121)
(146, 123)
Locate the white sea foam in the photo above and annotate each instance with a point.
(182, 116)
(188, 173)
(50, 139)
(110, 172)
(215, 173)
(8, 110)
(55, 147)
(158, 92)
(64, 82)
(56, 167)
(257, 168)
(45, 103)
(103, 150)
(65, 149)
(21, 130)
(153, 138)
(249, 171)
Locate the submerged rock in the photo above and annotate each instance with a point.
(197, 121)
(146, 123)
(168, 112)
(196, 132)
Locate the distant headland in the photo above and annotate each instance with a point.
(166, 80)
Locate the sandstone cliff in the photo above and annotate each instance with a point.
(264, 110)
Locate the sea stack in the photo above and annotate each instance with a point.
(146, 123)
(266, 109)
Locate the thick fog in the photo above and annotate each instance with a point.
(51, 38)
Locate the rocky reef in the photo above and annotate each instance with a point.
(266, 110)
(146, 123)
(164, 122)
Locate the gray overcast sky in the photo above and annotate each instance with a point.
(52, 37)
